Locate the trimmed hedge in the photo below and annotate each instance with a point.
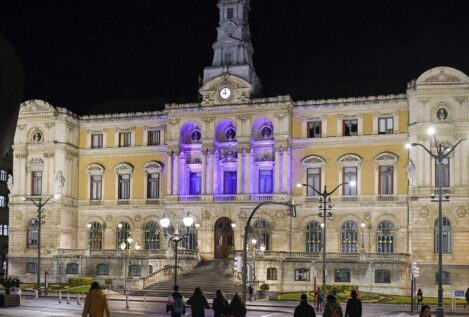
(80, 280)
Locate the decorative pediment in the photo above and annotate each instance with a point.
(239, 89)
(349, 159)
(35, 164)
(124, 168)
(153, 167)
(36, 106)
(443, 75)
(95, 169)
(313, 160)
(386, 158)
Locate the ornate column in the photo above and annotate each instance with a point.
(216, 157)
(248, 171)
(182, 174)
(176, 173)
(239, 173)
(204, 170)
(277, 169)
(209, 171)
(169, 173)
(284, 170)
(289, 167)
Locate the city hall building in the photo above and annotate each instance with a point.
(215, 160)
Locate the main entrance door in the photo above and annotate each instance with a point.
(224, 238)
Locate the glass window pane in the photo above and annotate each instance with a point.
(265, 182)
(230, 182)
(195, 183)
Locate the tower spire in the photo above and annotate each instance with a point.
(233, 47)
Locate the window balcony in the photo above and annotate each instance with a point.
(357, 199)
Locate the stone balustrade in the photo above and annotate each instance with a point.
(142, 254)
(164, 274)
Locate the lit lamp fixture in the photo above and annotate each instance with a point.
(40, 203)
(442, 152)
(363, 225)
(325, 205)
(176, 238)
(88, 225)
(262, 248)
(233, 225)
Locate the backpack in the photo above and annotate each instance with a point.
(335, 314)
(178, 307)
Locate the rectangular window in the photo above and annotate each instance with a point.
(195, 183)
(266, 182)
(342, 276)
(386, 174)
(32, 237)
(31, 267)
(230, 183)
(153, 186)
(446, 278)
(350, 174)
(313, 178)
(125, 139)
(227, 58)
(154, 137)
(102, 269)
(96, 187)
(301, 275)
(3, 176)
(96, 140)
(135, 270)
(382, 276)
(229, 13)
(386, 125)
(350, 127)
(124, 186)
(36, 183)
(444, 173)
(3, 201)
(272, 274)
(4, 230)
(314, 129)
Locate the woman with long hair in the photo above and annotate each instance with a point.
(220, 305)
(96, 302)
(198, 302)
(237, 307)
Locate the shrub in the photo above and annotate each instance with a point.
(109, 282)
(264, 287)
(80, 280)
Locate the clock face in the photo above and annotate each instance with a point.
(225, 93)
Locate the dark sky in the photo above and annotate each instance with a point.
(81, 54)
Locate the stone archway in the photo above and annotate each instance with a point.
(224, 238)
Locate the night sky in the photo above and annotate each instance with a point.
(86, 56)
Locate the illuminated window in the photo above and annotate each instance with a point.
(313, 237)
(152, 236)
(125, 139)
(36, 183)
(96, 140)
(3, 201)
(349, 236)
(349, 127)
(314, 129)
(153, 137)
(95, 236)
(386, 125)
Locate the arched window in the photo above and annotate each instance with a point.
(72, 268)
(152, 236)
(122, 234)
(262, 231)
(349, 236)
(32, 233)
(95, 236)
(190, 239)
(446, 236)
(272, 274)
(102, 269)
(313, 237)
(385, 237)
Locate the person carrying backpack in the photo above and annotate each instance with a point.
(419, 298)
(176, 303)
(332, 308)
(354, 306)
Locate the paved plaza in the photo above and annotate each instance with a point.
(50, 307)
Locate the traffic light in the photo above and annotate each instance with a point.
(238, 264)
(414, 270)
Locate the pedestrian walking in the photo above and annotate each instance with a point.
(319, 299)
(467, 298)
(304, 309)
(250, 291)
(419, 298)
(334, 292)
(332, 308)
(237, 307)
(220, 305)
(354, 306)
(176, 303)
(95, 302)
(359, 293)
(426, 312)
(198, 303)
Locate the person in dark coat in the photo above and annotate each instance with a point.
(237, 306)
(220, 305)
(198, 302)
(332, 308)
(354, 306)
(304, 309)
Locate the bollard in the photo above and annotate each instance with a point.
(60, 297)
(36, 294)
(126, 301)
(78, 298)
(68, 298)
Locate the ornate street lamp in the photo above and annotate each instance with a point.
(127, 250)
(188, 221)
(325, 204)
(443, 151)
(39, 203)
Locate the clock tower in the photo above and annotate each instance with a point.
(233, 49)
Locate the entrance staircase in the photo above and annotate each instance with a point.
(208, 275)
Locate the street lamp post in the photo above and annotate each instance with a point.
(127, 250)
(325, 203)
(245, 237)
(39, 203)
(442, 152)
(176, 237)
(363, 236)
